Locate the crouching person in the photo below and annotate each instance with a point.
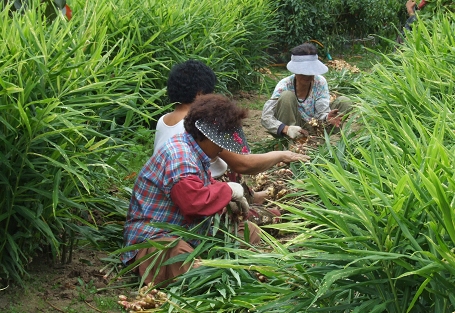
(175, 186)
(302, 100)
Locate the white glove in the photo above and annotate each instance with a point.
(240, 207)
(294, 132)
(237, 190)
(245, 206)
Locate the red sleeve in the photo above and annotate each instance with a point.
(193, 198)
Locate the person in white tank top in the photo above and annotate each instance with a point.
(186, 82)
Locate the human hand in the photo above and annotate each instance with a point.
(334, 118)
(410, 6)
(244, 206)
(296, 132)
(239, 207)
(237, 190)
(288, 157)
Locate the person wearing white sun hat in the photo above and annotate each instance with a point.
(302, 97)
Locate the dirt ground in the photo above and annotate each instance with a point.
(57, 288)
(253, 129)
(63, 288)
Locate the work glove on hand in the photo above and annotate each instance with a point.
(248, 193)
(294, 132)
(237, 190)
(240, 207)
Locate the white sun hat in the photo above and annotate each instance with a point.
(306, 65)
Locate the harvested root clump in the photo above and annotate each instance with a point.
(148, 298)
(343, 65)
(318, 127)
(262, 179)
(313, 122)
(298, 147)
(261, 277)
(284, 173)
(277, 190)
(274, 183)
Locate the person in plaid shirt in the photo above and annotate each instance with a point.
(175, 186)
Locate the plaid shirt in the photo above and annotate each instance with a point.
(151, 201)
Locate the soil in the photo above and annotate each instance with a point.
(253, 129)
(60, 288)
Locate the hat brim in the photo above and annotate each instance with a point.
(306, 65)
(233, 140)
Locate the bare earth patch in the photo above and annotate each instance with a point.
(253, 129)
(62, 288)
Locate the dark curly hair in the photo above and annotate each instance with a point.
(189, 78)
(213, 107)
(305, 49)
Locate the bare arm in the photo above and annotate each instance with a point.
(252, 164)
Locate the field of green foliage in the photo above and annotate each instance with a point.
(79, 99)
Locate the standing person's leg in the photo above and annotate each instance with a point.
(166, 272)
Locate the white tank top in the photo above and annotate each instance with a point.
(164, 132)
